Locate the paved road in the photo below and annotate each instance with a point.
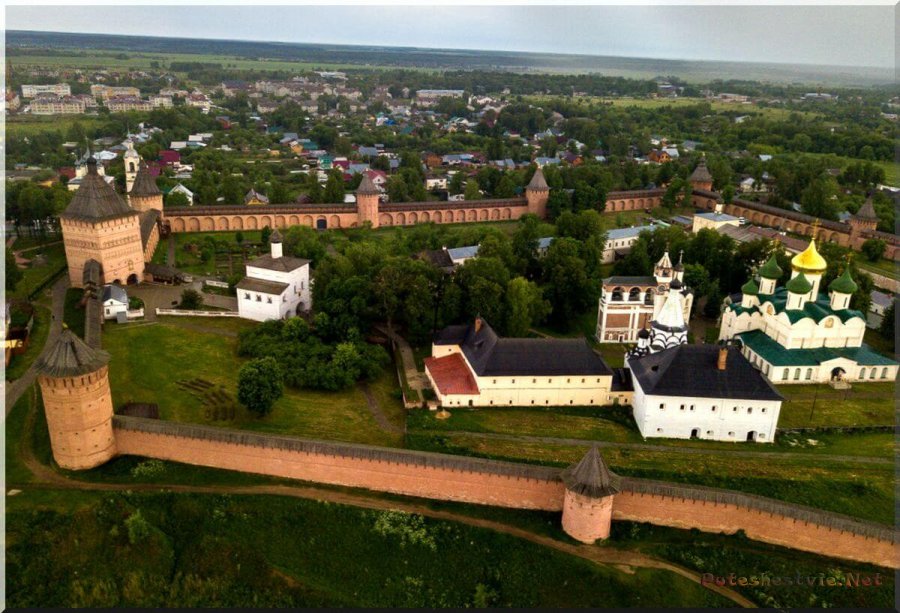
(14, 390)
(622, 560)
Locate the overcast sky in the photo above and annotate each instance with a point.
(848, 35)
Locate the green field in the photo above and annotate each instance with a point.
(865, 404)
(158, 362)
(29, 125)
(156, 550)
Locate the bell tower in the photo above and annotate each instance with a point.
(132, 161)
(74, 384)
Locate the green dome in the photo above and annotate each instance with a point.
(750, 288)
(771, 269)
(843, 284)
(799, 285)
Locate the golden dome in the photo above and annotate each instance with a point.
(809, 260)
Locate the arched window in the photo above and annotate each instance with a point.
(873, 373)
(634, 295)
(884, 372)
(796, 374)
(808, 374)
(862, 373)
(617, 294)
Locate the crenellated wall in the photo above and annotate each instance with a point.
(506, 484)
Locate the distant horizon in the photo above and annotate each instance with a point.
(495, 50)
(859, 36)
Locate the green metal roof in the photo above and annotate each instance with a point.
(771, 269)
(843, 284)
(816, 310)
(776, 355)
(750, 287)
(799, 285)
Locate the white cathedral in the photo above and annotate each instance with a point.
(798, 334)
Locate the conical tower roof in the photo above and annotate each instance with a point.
(664, 261)
(867, 211)
(70, 356)
(95, 199)
(671, 315)
(701, 173)
(538, 182)
(367, 187)
(591, 477)
(144, 183)
(750, 288)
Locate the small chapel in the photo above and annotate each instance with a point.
(799, 333)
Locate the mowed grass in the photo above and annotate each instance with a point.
(148, 361)
(809, 406)
(859, 489)
(18, 126)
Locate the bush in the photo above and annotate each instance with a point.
(260, 384)
(138, 528)
(873, 249)
(191, 300)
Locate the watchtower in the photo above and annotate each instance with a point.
(701, 178)
(537, 193)
(132, 161)
(865, 221)
(588, 501)
(367, 196)
(74, 384)
(144, 194)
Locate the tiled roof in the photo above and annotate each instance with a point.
(777, 355)
(692, 370)
(451, 375)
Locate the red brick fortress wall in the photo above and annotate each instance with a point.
(411, 473)
(506, 484)
(762, 519)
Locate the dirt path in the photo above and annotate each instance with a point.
(14, 389)
(375, 409)
(50, 479)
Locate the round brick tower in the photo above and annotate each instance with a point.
(588, 502)
(537, 193)
(145, 195)
(78, 403)
(367, 195)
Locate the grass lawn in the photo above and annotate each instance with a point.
(149, 361)
(865, 404)
(887, 268)
(719, 554)
(880, 344)
(857, 489)
(39, 331)
(29, 125)
(203, 550)
(35, 274)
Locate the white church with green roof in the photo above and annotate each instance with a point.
(799, 334)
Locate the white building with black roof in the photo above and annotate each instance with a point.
(276, 286)
(472, 366)
(703, 391)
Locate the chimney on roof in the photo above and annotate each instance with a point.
(723, 358)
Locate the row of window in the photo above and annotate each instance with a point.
(662, 407)
(873, 374)
(259, 298)
(731, 434)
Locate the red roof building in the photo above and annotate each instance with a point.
(451, 375)
(169, 157)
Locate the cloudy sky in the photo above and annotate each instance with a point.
(838, 35)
